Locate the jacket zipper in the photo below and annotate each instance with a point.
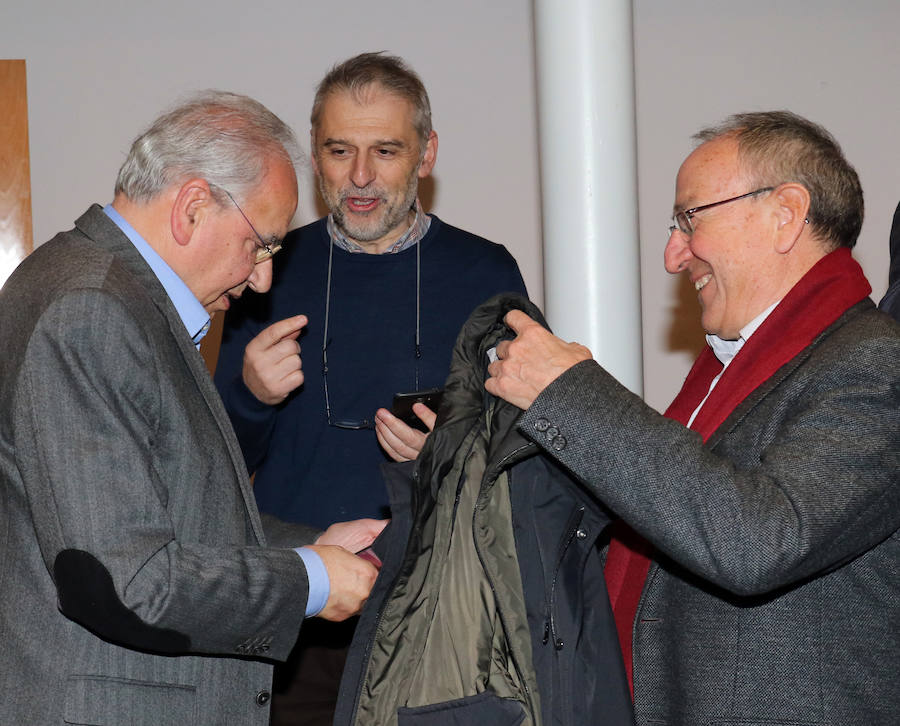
(550, 630)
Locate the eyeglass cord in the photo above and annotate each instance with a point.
(418, 350)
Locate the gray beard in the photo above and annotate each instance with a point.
(369, 230)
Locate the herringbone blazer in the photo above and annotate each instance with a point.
(135, 584)
(774, 597)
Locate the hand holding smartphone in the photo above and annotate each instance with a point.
(403, 403)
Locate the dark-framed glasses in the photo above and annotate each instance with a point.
(264, 250)
(352, 425)
(683, 219)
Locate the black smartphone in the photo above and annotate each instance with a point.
(403, 403)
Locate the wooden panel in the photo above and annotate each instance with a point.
(15, 172)
(209, 346)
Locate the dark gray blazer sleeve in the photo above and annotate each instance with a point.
(800, 479)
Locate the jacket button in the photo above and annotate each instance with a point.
(580, 533)
(263, 697)
(559, 443)
(552, 433)
(541, 424)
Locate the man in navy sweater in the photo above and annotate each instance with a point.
(375, 293)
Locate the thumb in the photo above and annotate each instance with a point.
(518, 321)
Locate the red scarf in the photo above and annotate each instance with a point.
(833, 285)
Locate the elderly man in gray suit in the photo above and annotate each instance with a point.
(772, 500)
(138, 584)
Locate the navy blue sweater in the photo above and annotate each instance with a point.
(307, 471)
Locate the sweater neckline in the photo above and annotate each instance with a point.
(363, 258)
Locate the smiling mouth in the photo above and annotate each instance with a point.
(700, 283)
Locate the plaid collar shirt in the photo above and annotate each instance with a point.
(417, 230)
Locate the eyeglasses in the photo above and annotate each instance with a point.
(683, 219)
(356, 425)
(265, 250)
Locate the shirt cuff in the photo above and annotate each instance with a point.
(319, 584)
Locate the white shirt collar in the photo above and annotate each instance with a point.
(726, 350)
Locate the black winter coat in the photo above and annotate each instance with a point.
(491, 606)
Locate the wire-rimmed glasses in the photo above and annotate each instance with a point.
(264, 250)
(683, 219)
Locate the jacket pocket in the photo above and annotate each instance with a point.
(485, 708)
(571, 531)
(104, 701)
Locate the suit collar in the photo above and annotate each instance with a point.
(104, 233)
(190, 309)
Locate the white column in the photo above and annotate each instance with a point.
(586, 119)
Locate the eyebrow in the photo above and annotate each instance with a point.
(396, 143)
(676, 208)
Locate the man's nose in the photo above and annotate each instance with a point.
(260, 279)
(678, 251)
(363, 172)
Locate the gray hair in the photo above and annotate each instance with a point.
(776, 147)
(222, 137)
(391, 72)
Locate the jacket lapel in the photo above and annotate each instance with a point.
(745, 407)
(102, 230)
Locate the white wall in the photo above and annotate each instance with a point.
(99, 72)
(836, 62)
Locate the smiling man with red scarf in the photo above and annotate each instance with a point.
(766, 588)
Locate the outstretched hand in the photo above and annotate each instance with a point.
(530, 362)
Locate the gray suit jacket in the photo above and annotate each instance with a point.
(135, 584)
(775, 593)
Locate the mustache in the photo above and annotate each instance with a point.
(371, 190)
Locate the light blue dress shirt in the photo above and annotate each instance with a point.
(196, 321)
(190, 310)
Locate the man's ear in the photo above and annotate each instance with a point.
(430, 155)
(193, 200)
(791, 214)
(313, 152)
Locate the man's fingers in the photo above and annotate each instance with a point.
(400, 441)
(350, 578)
(284, 350)
(354, 535)
(288, 328)
(425, 414)
(388, 443)
(518, 321)
(272, 372)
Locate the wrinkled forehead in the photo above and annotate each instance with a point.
(343, 105)
(710, 172)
